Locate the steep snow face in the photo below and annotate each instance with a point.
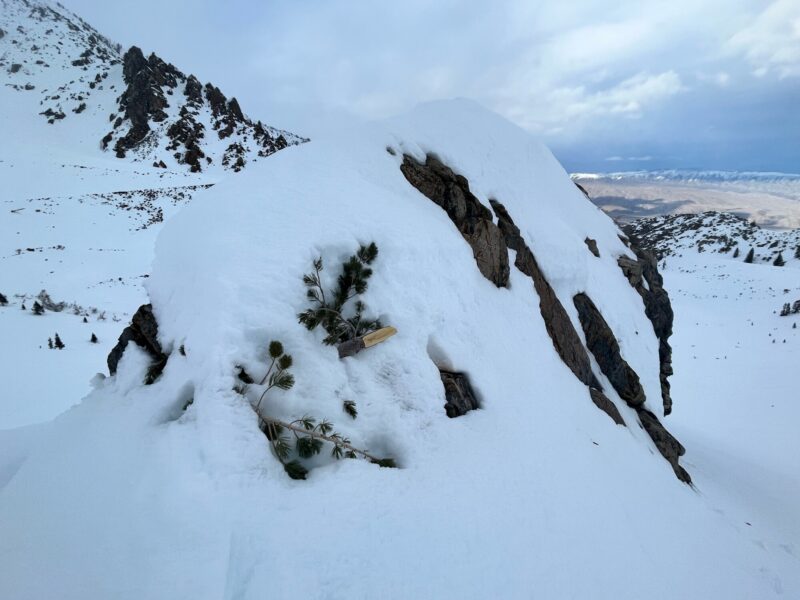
(66, 89)
(170, 490)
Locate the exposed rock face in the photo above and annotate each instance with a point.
(451, 192)
(603, 345)
(143, 99)
(566, 340)
(592, 245)
(144, 103)
(458, 394)
(657, 308)
(143, 331)
(607, 406)
(670, 448)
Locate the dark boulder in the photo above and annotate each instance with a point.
(592, 245)
(603, 345)
(458, 394)
(143, 331)
(669, 447)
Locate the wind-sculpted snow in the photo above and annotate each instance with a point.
(170, 489)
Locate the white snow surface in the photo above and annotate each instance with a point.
(537, 494)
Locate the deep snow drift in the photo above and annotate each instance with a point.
(138, 493)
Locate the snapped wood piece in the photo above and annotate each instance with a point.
(376, 337)
(356, 345)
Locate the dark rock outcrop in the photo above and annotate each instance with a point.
(603, 345)
(149, 82)
(643, 275)
(566, 340)
(193, 90)
(451, 192)
(670, 448)
(143, 331)
(458, 394)
(143, 99)
(602, 402)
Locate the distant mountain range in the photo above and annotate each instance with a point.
(691, 175)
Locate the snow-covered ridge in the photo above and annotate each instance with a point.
(56, 66)
(728, 235)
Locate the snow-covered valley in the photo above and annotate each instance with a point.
(148, 464)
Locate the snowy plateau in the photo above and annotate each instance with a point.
(615, 452)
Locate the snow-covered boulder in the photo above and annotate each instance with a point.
(172, 490)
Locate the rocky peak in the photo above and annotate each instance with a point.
(65, 69)
(153, 96)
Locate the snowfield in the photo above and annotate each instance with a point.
(171, 491)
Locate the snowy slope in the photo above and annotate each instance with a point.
(170, 490)
(75, 219)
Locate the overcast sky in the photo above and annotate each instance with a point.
(609, 86)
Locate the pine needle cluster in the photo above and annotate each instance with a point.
(294, 442)
(328, 310)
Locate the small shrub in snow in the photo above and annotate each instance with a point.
(93, 339)
(779, 262)
(736, 252)
(50, 343)
(750, 256)
(3, 300)
(37, 309)
(294, 442)
(329, 310)
(350, 408)
(58, 343)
